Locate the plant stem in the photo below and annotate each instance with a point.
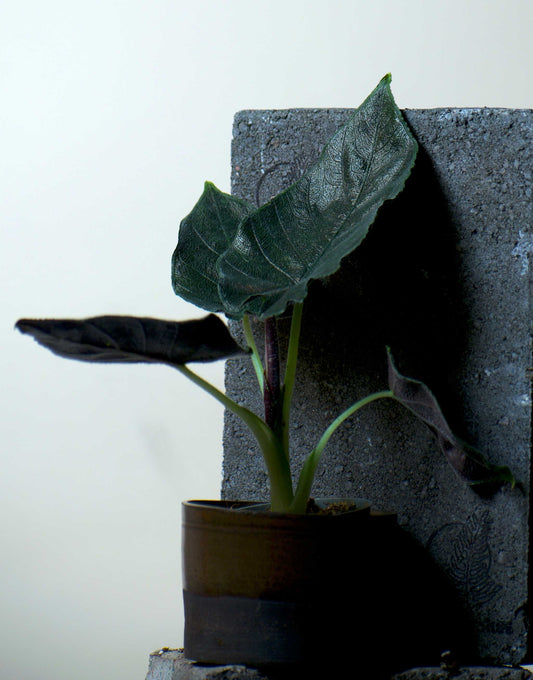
(272, 391)
(290, 372)
(256, 359)
(281, 493)
(307, 474)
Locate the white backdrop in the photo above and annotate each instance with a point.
(113, 113)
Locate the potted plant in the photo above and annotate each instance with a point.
(243, 261)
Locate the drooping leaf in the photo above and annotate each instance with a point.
(204, 234)
(127, 339)
(467, 461)
(305, 231)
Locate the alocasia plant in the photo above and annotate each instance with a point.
(243, 261)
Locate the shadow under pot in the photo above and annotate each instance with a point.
(272, 590)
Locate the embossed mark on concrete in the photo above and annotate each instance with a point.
(444, 278)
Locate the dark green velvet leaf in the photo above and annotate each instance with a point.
(467, 461)
(204, 234)
(127, 339)
(305, 231)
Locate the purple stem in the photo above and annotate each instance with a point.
(272, 393)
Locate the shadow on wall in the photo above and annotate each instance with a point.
(414, 608)
(400, 288)
(400, 611)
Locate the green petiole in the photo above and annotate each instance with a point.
(290, 372)
(305, 482)
(281, 492)
(256, 359)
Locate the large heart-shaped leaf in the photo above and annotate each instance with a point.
(467, 461)
(127, 339)
(305, 231)
(204, 234)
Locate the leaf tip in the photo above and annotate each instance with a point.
(23, 325)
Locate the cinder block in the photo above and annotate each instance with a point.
(170, 664)
(444, 279)
(473, 673)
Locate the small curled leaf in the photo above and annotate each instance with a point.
(467, 461)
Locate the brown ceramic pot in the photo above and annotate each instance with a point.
(268, 589)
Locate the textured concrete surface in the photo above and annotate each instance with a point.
(170, 665)
(472, 673)
(444, 278)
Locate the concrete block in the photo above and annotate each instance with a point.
(169, 664)
(444, 278)
(472, 673)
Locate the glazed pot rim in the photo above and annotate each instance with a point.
(260, 508)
